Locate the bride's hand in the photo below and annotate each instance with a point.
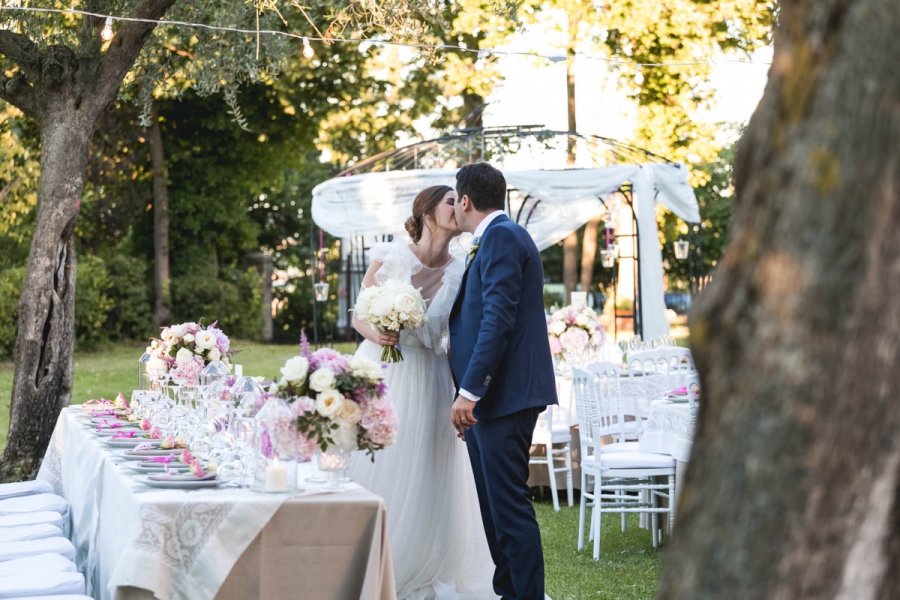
(388, 338)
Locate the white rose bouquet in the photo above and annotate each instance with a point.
(338, 401)
(391, 307)
(573, 330)
(184, 350)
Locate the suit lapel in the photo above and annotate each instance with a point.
(462, 284)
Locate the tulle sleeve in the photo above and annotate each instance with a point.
(435, 333)
(397, 262)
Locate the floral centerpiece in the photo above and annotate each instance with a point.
(391, 306)
(183, 350)
(338, 401)
(574, 330)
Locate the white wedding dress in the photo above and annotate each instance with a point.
(437, 539)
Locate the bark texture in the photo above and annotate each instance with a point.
(162, 311)
(793, 489)
(65, 90)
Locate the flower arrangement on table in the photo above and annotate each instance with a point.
(337, 401)
(183, 350)
(573, 330)
(391, 306)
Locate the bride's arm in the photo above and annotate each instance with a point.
(386, 338)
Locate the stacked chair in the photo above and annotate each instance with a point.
(36, 557)
(617, 477)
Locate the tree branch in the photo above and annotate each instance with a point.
(21, 50)
(126, 45)
(17, 91)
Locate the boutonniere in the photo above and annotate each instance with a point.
(470, 255)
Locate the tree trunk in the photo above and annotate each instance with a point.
(793, 489)
(570, 244)
(162, 312)
(589, 253)
(42, 383)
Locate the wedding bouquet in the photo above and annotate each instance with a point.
(338, 401)
(391, 307)
(183, 350)
(573, 330)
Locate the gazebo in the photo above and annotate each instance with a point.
(373, 199)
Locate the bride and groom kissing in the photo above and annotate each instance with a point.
(500, 371)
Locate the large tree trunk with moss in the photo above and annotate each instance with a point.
(793, 490)
(162, 311)
(65, 90)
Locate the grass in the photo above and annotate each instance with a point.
(628, 566)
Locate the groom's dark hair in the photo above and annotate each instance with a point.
(483, 184)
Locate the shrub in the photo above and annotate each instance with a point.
(131, 315)
(11, 282)
(92, 302)
(234, 301)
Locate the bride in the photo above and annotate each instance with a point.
(437, 539)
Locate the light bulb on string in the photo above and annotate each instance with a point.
(308, 51)
(639, 76)
(106, 34)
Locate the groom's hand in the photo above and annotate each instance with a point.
(462, 415)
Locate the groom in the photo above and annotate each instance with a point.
(500, 358)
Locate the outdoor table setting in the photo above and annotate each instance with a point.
(209, 486)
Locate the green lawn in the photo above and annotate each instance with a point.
(629, 566)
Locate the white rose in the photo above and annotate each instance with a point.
(382, 306)
(406, 303)
(329, 404)
(189, 337)
(581, 320)
(351, 412)
(295, 369)
(557, 327)
(156, 367)
(184, 356)
(321, 379)
(363, 367)
(214, 354)
(204, 339)
(345, 435)
(178, 331)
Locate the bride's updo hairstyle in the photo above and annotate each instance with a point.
(423, 205)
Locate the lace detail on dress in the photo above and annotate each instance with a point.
(398, 262)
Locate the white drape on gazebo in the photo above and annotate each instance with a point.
(559, 202)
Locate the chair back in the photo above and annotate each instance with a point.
(603, 401)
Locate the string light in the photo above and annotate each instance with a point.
(457, 48)
(308, 51)
(106, 34)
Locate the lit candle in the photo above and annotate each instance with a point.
(276, 477)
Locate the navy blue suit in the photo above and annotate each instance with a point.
(499, 350)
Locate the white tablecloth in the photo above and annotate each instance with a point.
(669, 429)
(179, 544)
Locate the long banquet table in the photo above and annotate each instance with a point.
(138, 542)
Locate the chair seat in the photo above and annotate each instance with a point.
(29, 532)
(35, 503)
(42, 563)
(622, 447)
(33, 518)
(24, 488)
(630, 460)
(57, 545)
(559, 435)
(24, 585)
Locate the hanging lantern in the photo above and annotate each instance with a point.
(321, 290)
(682, 247)
(274, 446)
(607, 259)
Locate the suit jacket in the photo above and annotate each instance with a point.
(498, 332)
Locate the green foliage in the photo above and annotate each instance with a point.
(92, 302)
(234, 300)
(11, 281)
(131, 295)
(715, 198)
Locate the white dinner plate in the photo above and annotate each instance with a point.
(112, 431)
(156, 469)
(179, 484)
(126, 442)
(143, 454)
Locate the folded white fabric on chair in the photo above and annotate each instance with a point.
(24, 488)
(40, 517)
(25, 585)
(29, 532)
(41, 563)
(35, 503)
(57, 545)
